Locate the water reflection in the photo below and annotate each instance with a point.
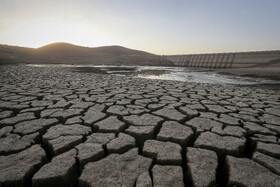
(169, 73)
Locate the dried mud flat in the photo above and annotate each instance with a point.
(64, 128)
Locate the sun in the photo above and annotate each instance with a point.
(36, 33)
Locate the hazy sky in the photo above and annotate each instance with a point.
(157, 26)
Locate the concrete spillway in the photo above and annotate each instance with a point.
(226, 60)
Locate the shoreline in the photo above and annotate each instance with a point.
(270, 73)
(267, 72)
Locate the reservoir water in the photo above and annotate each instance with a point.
(185, 74)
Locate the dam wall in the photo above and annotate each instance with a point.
(225, 60)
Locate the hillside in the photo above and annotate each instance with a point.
(72, 54)
(66, 49)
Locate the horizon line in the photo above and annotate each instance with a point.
(115, 45)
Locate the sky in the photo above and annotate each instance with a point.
(157, 26)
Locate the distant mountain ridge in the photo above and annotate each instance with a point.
(68, 53)
(61, 48)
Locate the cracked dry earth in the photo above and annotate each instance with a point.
(65, 128)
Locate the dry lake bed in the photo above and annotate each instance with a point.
(65, 126)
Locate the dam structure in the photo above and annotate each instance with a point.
(226, 60)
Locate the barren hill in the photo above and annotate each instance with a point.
(72, 54)
(66, 49)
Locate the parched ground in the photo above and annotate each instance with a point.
(64, 128)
